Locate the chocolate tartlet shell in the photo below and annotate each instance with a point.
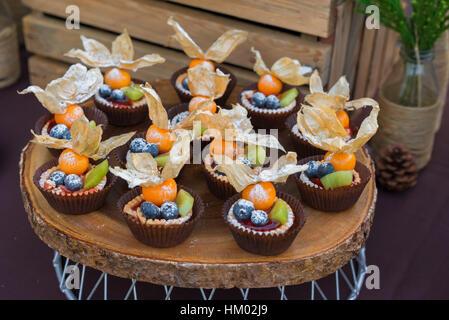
(332, 200)
(302, 146)
(118, 155)
(124, 117)
(267, 244)
(161, 235)
(186, 97)
(220, 188)
(262, 119)
(91, 113)
(78, 204)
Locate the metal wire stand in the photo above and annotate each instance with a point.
(65, 269)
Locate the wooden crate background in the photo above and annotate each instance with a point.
(326, 34)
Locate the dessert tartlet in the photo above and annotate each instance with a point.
(263, 221)
(335, 99)
(205, 86)
(232, 136)
(74, 184)
(335, 181)
(61, 98)
(120, 97)
(338, 193)
(159, 212)
(159, 137)
(273, 98)
(218, 52)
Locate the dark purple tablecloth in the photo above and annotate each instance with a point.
(409, 239)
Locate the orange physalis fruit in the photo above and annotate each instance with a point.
(195, 102)
(72, 113)
(207, 63)
(269, 84)
(342, 161)
(262, 194)
(165, 192)
(72, 163)
(164, 138)
(117, 78)
(227, 148)
(343, 117)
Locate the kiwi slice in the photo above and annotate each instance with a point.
(337, 179)
(96, 174)
(161, 159)
(255, 154)
(279, 212)
(92, 124)
(288, 96)
(133, 93)
(184, 201)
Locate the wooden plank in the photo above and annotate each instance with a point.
(354, 44)
(342, 28)
(364, 63)
(147, 20)
(42, 70)
(313, 17)
(48, 37)
(376, 62)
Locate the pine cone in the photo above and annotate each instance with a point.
(396, 168)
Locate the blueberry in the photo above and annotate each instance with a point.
(185, 83)
(273, 102)
(324, 169)
(58, 131)
(58, 177)
(259, 218)
(150, 210)
(245, 161)
(181, 117)
(118, 95)
(243, 209)
(138, 145)
(259, 100)
(312, 171)
(73, 182)
(169, 210)
(105, 91)
(67, 135)
(151, 148)
(220, 173)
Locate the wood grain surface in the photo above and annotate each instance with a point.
(314, 17)
(209, 257)
(48, 37)
(147, 20)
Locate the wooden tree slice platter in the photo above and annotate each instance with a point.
(209, 258)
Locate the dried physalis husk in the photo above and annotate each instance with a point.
(95, 54)
(321, 127)
(86, 140)
(141, 168)
(156, 110)
(241, 175)
(241, 129)
(218, 51)
(289, 71)
(76, 86)
(334, 99)
(204, 82)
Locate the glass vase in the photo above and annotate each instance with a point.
(413, 81)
